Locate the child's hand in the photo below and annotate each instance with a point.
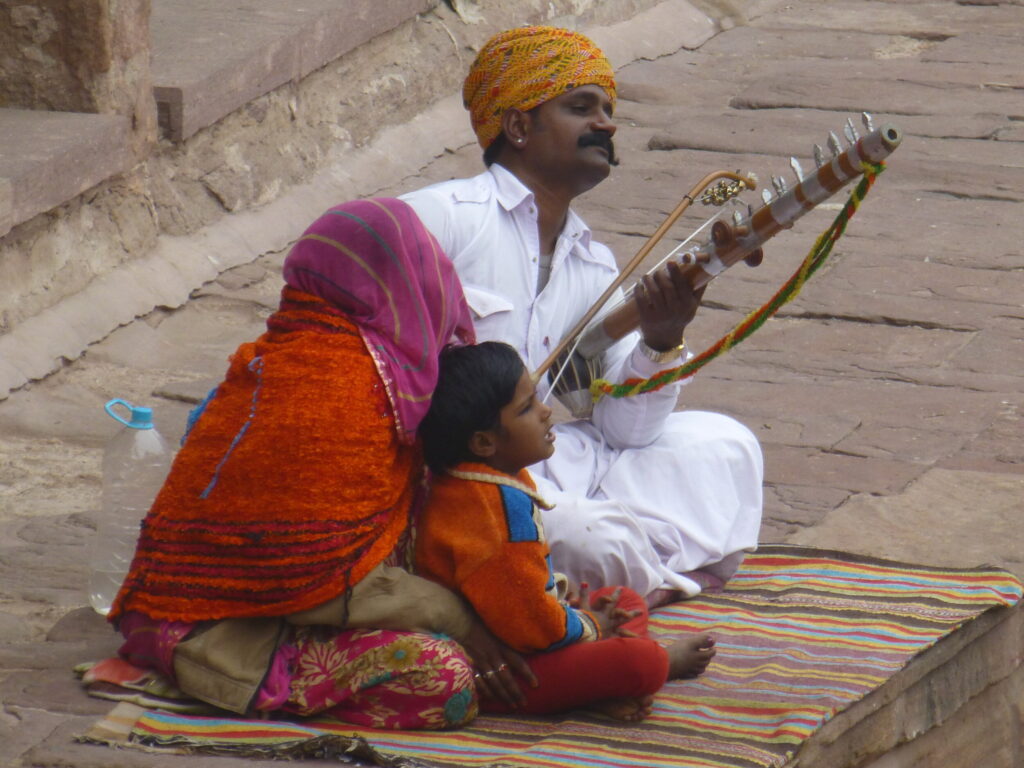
(580, 599)
(610, 617)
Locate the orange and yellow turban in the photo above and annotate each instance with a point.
(522, 68)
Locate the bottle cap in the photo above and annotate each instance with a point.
(141, 417)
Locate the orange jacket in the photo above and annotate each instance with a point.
(481, 535)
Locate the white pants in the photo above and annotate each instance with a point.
(644, 517)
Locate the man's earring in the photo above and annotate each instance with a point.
(519, 140)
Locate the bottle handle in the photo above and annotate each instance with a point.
(109, 408)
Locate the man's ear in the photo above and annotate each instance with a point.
(483, 443)
(515, 125)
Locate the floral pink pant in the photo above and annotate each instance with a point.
(373, 677)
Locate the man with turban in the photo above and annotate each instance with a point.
(663, 502)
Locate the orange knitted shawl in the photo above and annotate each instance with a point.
(255, 522)
(299, 473)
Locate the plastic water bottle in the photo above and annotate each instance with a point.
(135, 464)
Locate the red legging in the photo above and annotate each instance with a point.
(584, 673)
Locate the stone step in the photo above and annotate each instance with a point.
(210, 58)
(46, 158)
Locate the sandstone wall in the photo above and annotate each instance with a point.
(79, 56)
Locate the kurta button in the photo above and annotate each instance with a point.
(547, 341)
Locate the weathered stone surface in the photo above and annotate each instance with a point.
(934, 521)
(90, 56)
(801, 466)
(949, 693)
(798, 506)
(50, 157)
(989, 734)
(54, 690)
(61, 749)
(220, 60)
(21, 730)
(926, 20)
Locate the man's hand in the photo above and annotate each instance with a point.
(496, 666)
(667, 303)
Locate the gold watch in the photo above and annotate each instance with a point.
(659, 355)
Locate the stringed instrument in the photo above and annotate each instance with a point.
(727, 243)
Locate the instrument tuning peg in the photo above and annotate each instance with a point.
(851, 132)
(869, 124)
(797, 169)
(833, 144)
(780, 185)
(737, 218)
(819, 156)
(766, 195)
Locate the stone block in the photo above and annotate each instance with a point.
(220, 59)
(786, 465)
(668, 24)
(47, 158)
(957, 704)
(972, 518)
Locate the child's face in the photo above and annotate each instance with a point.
(525, 436)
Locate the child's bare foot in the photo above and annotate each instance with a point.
(631, 710)
(690, 656)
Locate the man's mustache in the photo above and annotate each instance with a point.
(600, 139)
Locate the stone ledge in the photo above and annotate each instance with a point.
(209, 60)
(935, 696)
(47, 158)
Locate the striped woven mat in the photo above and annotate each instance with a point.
(801, 635)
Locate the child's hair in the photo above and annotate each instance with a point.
(473, 384)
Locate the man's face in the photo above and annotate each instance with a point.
(571, 137)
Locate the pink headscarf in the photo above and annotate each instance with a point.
(375, 261)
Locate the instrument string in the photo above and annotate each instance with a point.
(790, 289)
(563, 365)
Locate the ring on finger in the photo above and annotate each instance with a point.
(502, 667)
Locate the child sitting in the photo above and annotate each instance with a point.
(481, 535)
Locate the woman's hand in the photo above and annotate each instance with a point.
(497, 666)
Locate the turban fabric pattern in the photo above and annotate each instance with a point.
(299, 475)
(525, 67)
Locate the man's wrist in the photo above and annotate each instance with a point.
(661, 355)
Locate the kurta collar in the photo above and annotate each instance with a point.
(511, 193)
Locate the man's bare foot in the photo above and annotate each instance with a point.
(631, 710)
(690, 656)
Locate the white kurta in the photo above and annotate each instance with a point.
(643, 496)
